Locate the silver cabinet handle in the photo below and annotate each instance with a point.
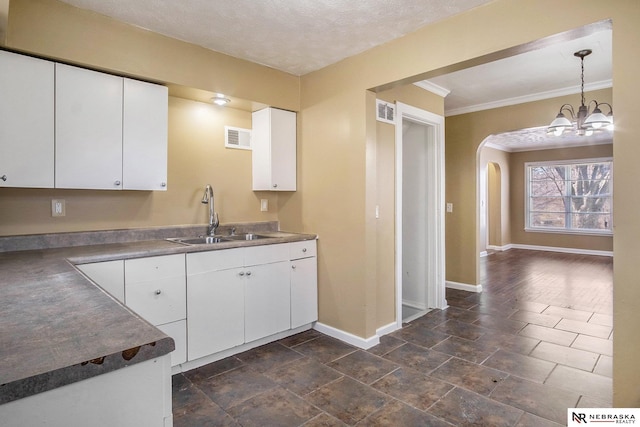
(275, 185)
(293, 267)
(163, 184)
(158, 292)
(241, 273)
(117, 183)
(3, 177)
(304, 249)
(248, 273)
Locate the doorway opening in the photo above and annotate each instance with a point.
(420, 271)
(494, 206)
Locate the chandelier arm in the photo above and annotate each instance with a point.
(568, 108)
(607, 104)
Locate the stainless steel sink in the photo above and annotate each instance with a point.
(248, 236)
(202, 240)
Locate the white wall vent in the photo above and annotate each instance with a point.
(237, 138)
(385, 111)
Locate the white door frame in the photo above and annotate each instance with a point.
(435, 224)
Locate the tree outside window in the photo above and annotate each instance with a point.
(570, 196)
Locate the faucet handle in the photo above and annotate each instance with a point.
(233, 231)
(216, 222)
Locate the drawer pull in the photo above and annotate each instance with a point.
(293, 267)
(248, 273)
(241, 273)
(3, 177)
(158, 291)
(304, 249)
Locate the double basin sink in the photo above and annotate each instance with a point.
(210, 240)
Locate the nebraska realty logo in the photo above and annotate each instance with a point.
(602, 416)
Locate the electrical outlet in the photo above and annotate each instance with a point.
(57, 207)
(264, 205)
(449, 207)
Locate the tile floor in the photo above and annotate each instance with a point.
(538, 340)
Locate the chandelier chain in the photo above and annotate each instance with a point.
(582, 79)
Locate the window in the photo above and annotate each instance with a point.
(569, 197)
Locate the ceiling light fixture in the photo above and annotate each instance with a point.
(220, 99)
(584, 123)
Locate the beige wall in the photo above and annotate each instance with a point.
(519, 236)
(197, 157)
(337, 157)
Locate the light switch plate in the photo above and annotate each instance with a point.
(449, 207)
(264, 205)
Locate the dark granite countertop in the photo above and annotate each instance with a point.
(57, 327)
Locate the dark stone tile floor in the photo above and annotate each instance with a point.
(506, 357)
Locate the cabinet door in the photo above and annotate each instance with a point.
(88, 129)
(108, 275)
(215, 302)
(304, 291)
(283, 150)
(155, 288)
(144, 137)
(273, 144)
(177, 331)
(267, 300)
(26, 121)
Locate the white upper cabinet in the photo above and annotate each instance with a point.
(273, 142)
(26, 121)
(144, 139)
(88, 129)
(111, 132)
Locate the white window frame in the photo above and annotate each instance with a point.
(527, 216)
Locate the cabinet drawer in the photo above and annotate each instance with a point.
(267, 254)
(177, 331)
(152, 268)
(201, 262)
(158, 301)
(303, 249)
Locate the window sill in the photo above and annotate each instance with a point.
(573, 232)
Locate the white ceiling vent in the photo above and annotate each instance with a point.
(237, 138)
(385, 111)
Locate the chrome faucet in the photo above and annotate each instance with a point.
(213, 216)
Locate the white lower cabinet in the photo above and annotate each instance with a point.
(109, 275)
(177, 331)
(215, 301)
(267, 300)
(304, 282)
(155, 288)
(304, 291)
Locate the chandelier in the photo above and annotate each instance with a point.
(584, 122)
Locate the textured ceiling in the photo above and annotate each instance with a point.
(537, 139)
(296, 36)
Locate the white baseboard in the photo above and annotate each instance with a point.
(463, 286)
(500, 248)
(363, 343)
(484, 253)
(562, 250)
(387, 329)
(414, 304)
